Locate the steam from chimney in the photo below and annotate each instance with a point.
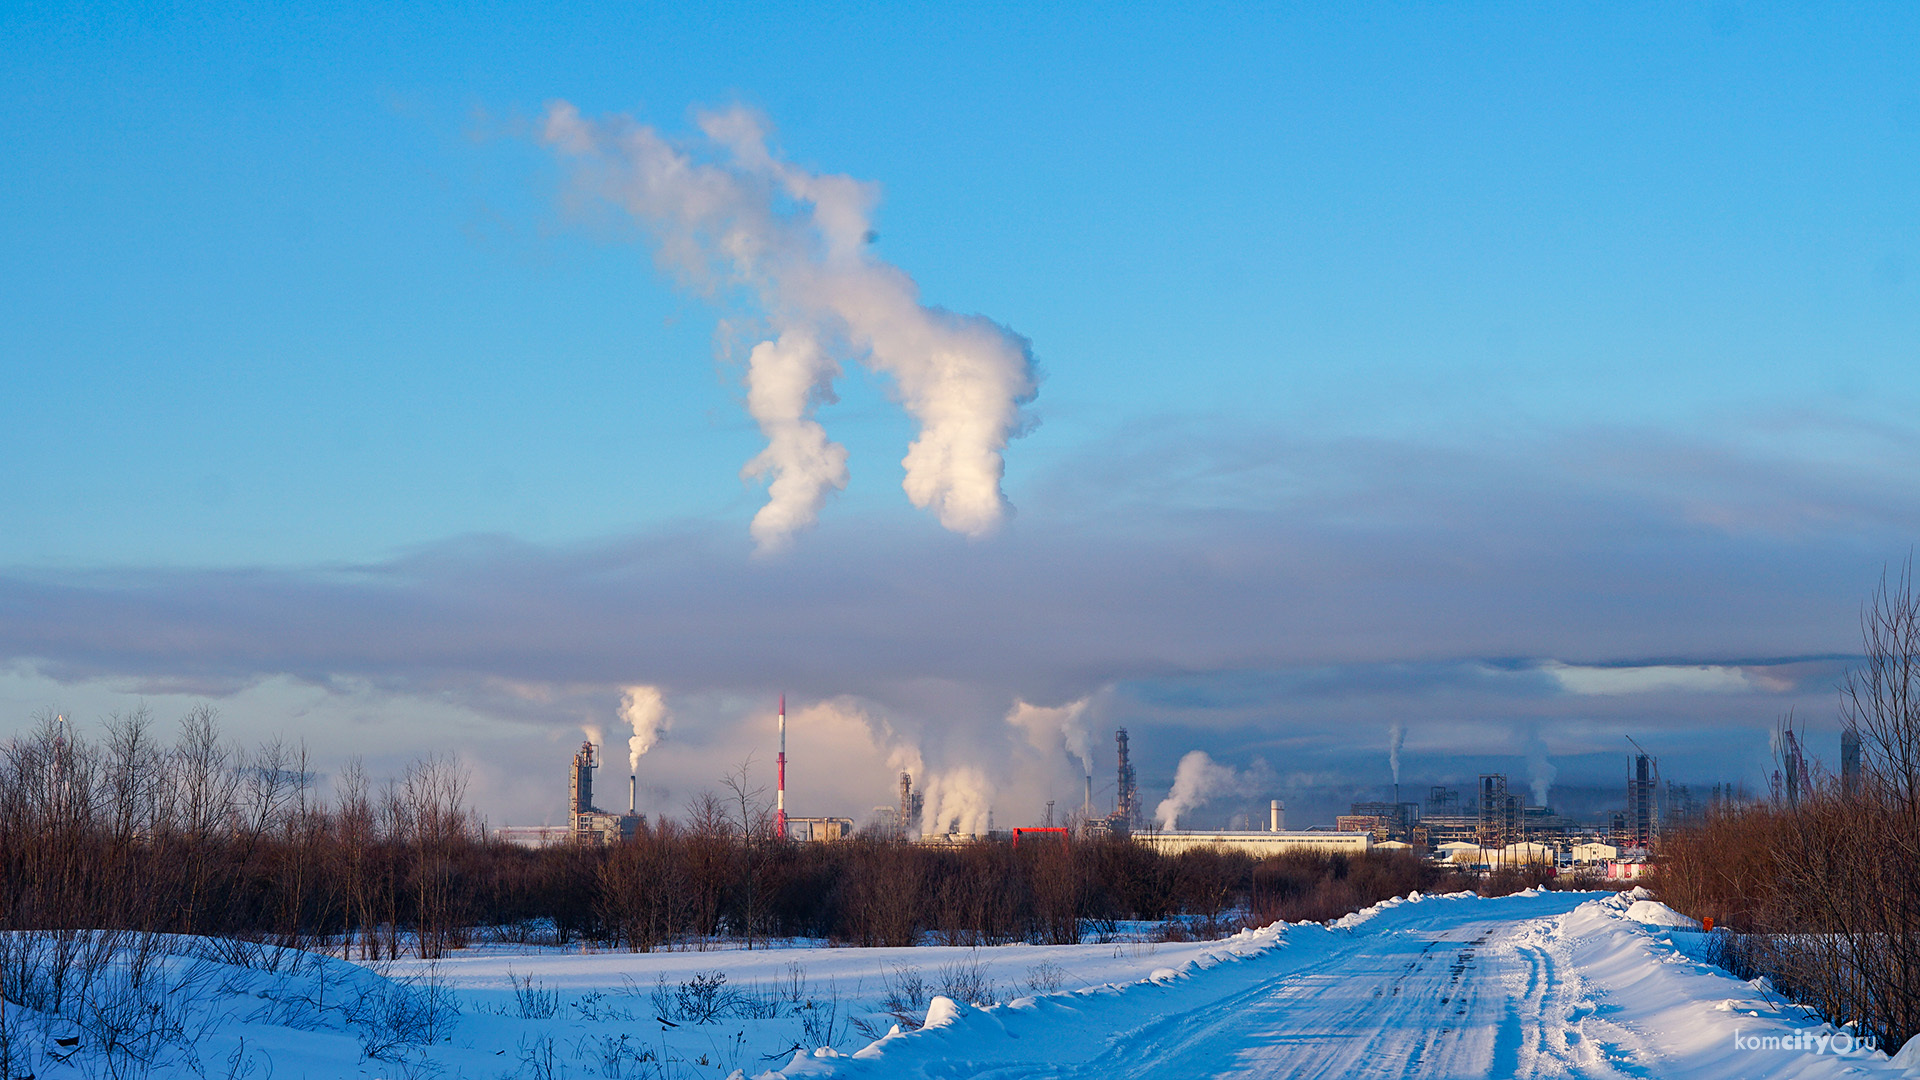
(1199, 780)
(786, 379)
(595, 734)
(645, 710)
(1049, 728)
(1540, 771)
(728, 214)
(958, 800)
(1396, 738)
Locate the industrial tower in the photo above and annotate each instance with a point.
(1126, 808)
(591, 825)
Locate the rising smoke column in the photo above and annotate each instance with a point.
(645, 710)
(1396, 738)
(1199, 780)
(1540, 772)
(959, 800)
(1062, 726)
(728, 215)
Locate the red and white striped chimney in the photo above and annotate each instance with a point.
(780, 788)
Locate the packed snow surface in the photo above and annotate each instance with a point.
(1539, 984)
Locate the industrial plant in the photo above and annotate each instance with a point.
(592, 825)
(1489, 826)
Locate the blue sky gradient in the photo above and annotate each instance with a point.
(1395, 342)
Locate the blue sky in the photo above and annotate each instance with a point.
(1387, 341)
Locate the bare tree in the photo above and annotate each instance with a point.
(1880, 701)
(754, 823)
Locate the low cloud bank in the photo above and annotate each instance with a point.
(1433, 589)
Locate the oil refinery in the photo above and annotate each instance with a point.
(1493, 826)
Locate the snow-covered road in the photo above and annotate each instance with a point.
(1539, 984)
(1536, 985)
(1473, 998)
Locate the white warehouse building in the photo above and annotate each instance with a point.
(1260, 845)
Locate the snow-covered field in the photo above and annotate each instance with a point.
(1538, 984)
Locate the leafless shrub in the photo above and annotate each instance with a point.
(539, 1060)
(1046, 977)
(907, 996)
(820, 1020)
(967, 981)
(132, 1005)
(531, 1001)
(614, 1057)
(594, 1007)
(703, 998)
(242, 1065)
(393, 1018)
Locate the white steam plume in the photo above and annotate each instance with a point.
(1065, 725)
(1200, 779)
(1396, 738)
(1540, 771)
(645, 710)
(785, 379)
(595, 734)
(728, 214)
(958, 800)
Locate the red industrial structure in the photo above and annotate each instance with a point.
(1028, 830)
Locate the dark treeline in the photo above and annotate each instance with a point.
(197, 836)
(1821, 892)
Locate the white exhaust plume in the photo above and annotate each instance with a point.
(958, 800)
(595, 734)
(644, 710)
(729, 214)
(1540, 772)
(1199, 780)
(1396, 738)
(786, 378)
(1062, 726)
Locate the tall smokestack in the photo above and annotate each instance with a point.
(1276, 817)
(1087, 810)
(780, 784)
(633, 784)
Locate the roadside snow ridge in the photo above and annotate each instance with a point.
(1538, 984)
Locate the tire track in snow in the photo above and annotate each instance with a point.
(1437, 988)
(1392, 1004)
(1484, 997)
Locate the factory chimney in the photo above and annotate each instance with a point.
(780, 784)
(633, 784)
(1277, 816)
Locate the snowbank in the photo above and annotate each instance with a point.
(1535, 984)
(1655, 913)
